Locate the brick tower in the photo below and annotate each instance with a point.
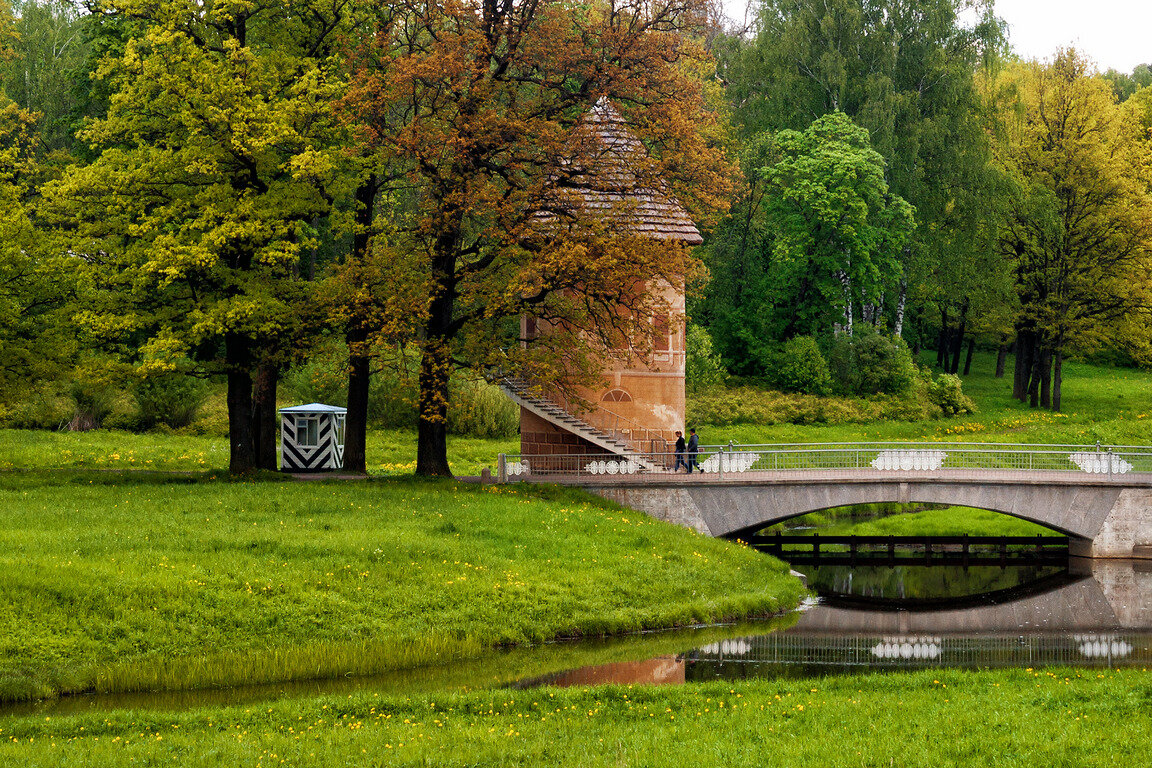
(640, 403)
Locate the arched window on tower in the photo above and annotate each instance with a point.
(616, 396)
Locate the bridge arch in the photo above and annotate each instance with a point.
(912, 498)
(728, 509)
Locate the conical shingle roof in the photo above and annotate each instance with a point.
(601, 180)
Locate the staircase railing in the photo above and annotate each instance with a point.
(642, 439)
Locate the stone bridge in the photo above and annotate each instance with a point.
(1106, 516)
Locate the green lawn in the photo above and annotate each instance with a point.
(926, 719)
(389, 452)
(119, 583)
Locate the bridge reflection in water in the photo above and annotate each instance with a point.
(802, 654)
(1090, 614)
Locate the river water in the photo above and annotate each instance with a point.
(1086, 613)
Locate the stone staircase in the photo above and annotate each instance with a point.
(520, 392)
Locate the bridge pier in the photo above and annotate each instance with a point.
(1107, 519)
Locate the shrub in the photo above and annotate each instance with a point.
(95, 396)
(869, 363)
(476, 408)
(702, 365)
(798, 366)
(946, 392)
(173, 400)
(480, 409)
(45, 405)
(721, 406)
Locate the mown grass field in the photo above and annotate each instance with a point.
(390, 453)
(110, 582)
(1021, 718)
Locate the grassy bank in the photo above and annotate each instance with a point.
(1109, 405)
(113, 583)
(935, 718)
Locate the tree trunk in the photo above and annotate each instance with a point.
(846, 283)
(356, 422)
(1057, 378)
(359, 371)
(1046, 377)
(1034, 375)
(968, 357)
(942, 342)
(1023, 365)
(958, 341)
(432, 429)
(264, 416)
(1002, 355)
(241, 447)
(901, 300)
(436, 362)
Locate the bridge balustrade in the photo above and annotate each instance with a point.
(880, 459)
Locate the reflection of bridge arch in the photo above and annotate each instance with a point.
(1103, 619)
(972, 602)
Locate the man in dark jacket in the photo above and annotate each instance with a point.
(679, 453)
(693, 450)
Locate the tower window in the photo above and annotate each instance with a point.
(616, 396)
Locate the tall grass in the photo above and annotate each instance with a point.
(113, 584)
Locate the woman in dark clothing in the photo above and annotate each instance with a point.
(679, 453)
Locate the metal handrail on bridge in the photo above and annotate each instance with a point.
(734, 461)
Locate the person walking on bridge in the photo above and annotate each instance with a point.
(693, 450)
(679, 453)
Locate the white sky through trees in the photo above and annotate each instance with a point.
(1115, 34)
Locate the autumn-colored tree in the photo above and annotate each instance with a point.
(1079, 229)
(477, 115)
(214, 157)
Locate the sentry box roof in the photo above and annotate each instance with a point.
(314, 408)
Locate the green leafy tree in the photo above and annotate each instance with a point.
(903, 71)
(214, 159)
(839, 231)
(49, 59)
(1124, 85)
(702, 366)
(35, 275)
